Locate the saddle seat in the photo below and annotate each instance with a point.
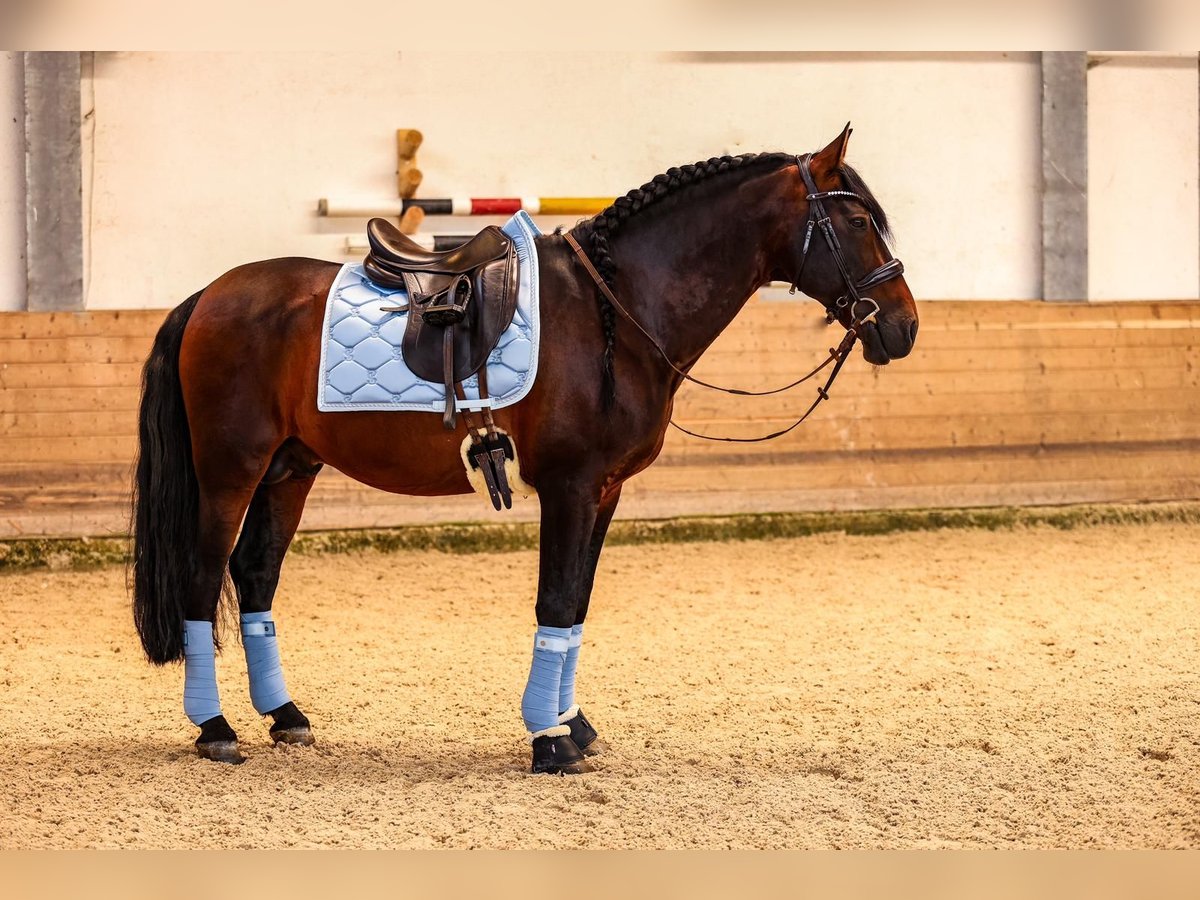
(459, 302)
(398, 252)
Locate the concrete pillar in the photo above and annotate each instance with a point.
(12, 181)
(53, 177)
(1064, 176)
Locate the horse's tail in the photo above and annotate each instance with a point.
(165, 497)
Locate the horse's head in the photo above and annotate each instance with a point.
(841, 257)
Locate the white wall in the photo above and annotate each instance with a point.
(204, 161)
(196, 162)
(1143, 203)
(12, 182)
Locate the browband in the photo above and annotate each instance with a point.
(819, 218)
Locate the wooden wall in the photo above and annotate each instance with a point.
(1001, 403)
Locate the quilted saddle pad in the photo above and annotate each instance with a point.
(362, 364)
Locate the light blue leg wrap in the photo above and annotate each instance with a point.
(539, 704)
(267, 690)
(201, 701)
(566, 687)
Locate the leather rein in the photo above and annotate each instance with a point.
(818, 218)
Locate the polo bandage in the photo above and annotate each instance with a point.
(201, 701)
(539, 703)
(267, 690)
(566, 687)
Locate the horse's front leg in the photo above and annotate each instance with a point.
(569, 512)
(569, 713)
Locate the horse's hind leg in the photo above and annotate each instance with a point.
(220, 511)
(270, 524)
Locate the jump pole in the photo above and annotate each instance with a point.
(463, 206)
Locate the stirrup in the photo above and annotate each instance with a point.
(453, 306)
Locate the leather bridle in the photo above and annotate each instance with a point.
(819, 218)
(847, 302)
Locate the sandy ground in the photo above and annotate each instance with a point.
(1029, 688)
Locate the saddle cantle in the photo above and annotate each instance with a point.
(394, 252)
(459, 303)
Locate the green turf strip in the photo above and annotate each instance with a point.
(87, 553)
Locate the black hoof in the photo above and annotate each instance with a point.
(291, 726)
(301, 736)
(558, 756)
(221, 751)
(596, 748)
(584, 735)
(218, 742)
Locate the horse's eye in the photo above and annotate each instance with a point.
(858, 222)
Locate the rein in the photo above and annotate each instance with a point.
(817, 218)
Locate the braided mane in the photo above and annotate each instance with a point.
(599, 229)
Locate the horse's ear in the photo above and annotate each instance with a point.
(831, 158)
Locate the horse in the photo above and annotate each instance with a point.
(231, 440)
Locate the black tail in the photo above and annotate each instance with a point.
(165, 497)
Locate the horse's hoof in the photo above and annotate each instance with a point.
(596, 748)
(218, 742)
(558, 756)
(221, 751)
(300, 736)
(584, 735)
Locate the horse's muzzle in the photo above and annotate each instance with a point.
(888, 339)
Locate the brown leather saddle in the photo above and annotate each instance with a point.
(459, 303)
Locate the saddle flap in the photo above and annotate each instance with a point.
(489, 310)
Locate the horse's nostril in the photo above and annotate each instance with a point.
(912, 330)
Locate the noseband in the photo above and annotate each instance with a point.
(819, 218)
(849, 301)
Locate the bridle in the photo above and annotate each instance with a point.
(847, 302)
(819, 218)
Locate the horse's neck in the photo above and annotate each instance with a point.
(688, 270)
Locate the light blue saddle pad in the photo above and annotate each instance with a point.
(362, 365)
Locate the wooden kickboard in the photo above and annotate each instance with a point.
(1003, 401)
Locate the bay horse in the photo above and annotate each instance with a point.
(230, 437)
